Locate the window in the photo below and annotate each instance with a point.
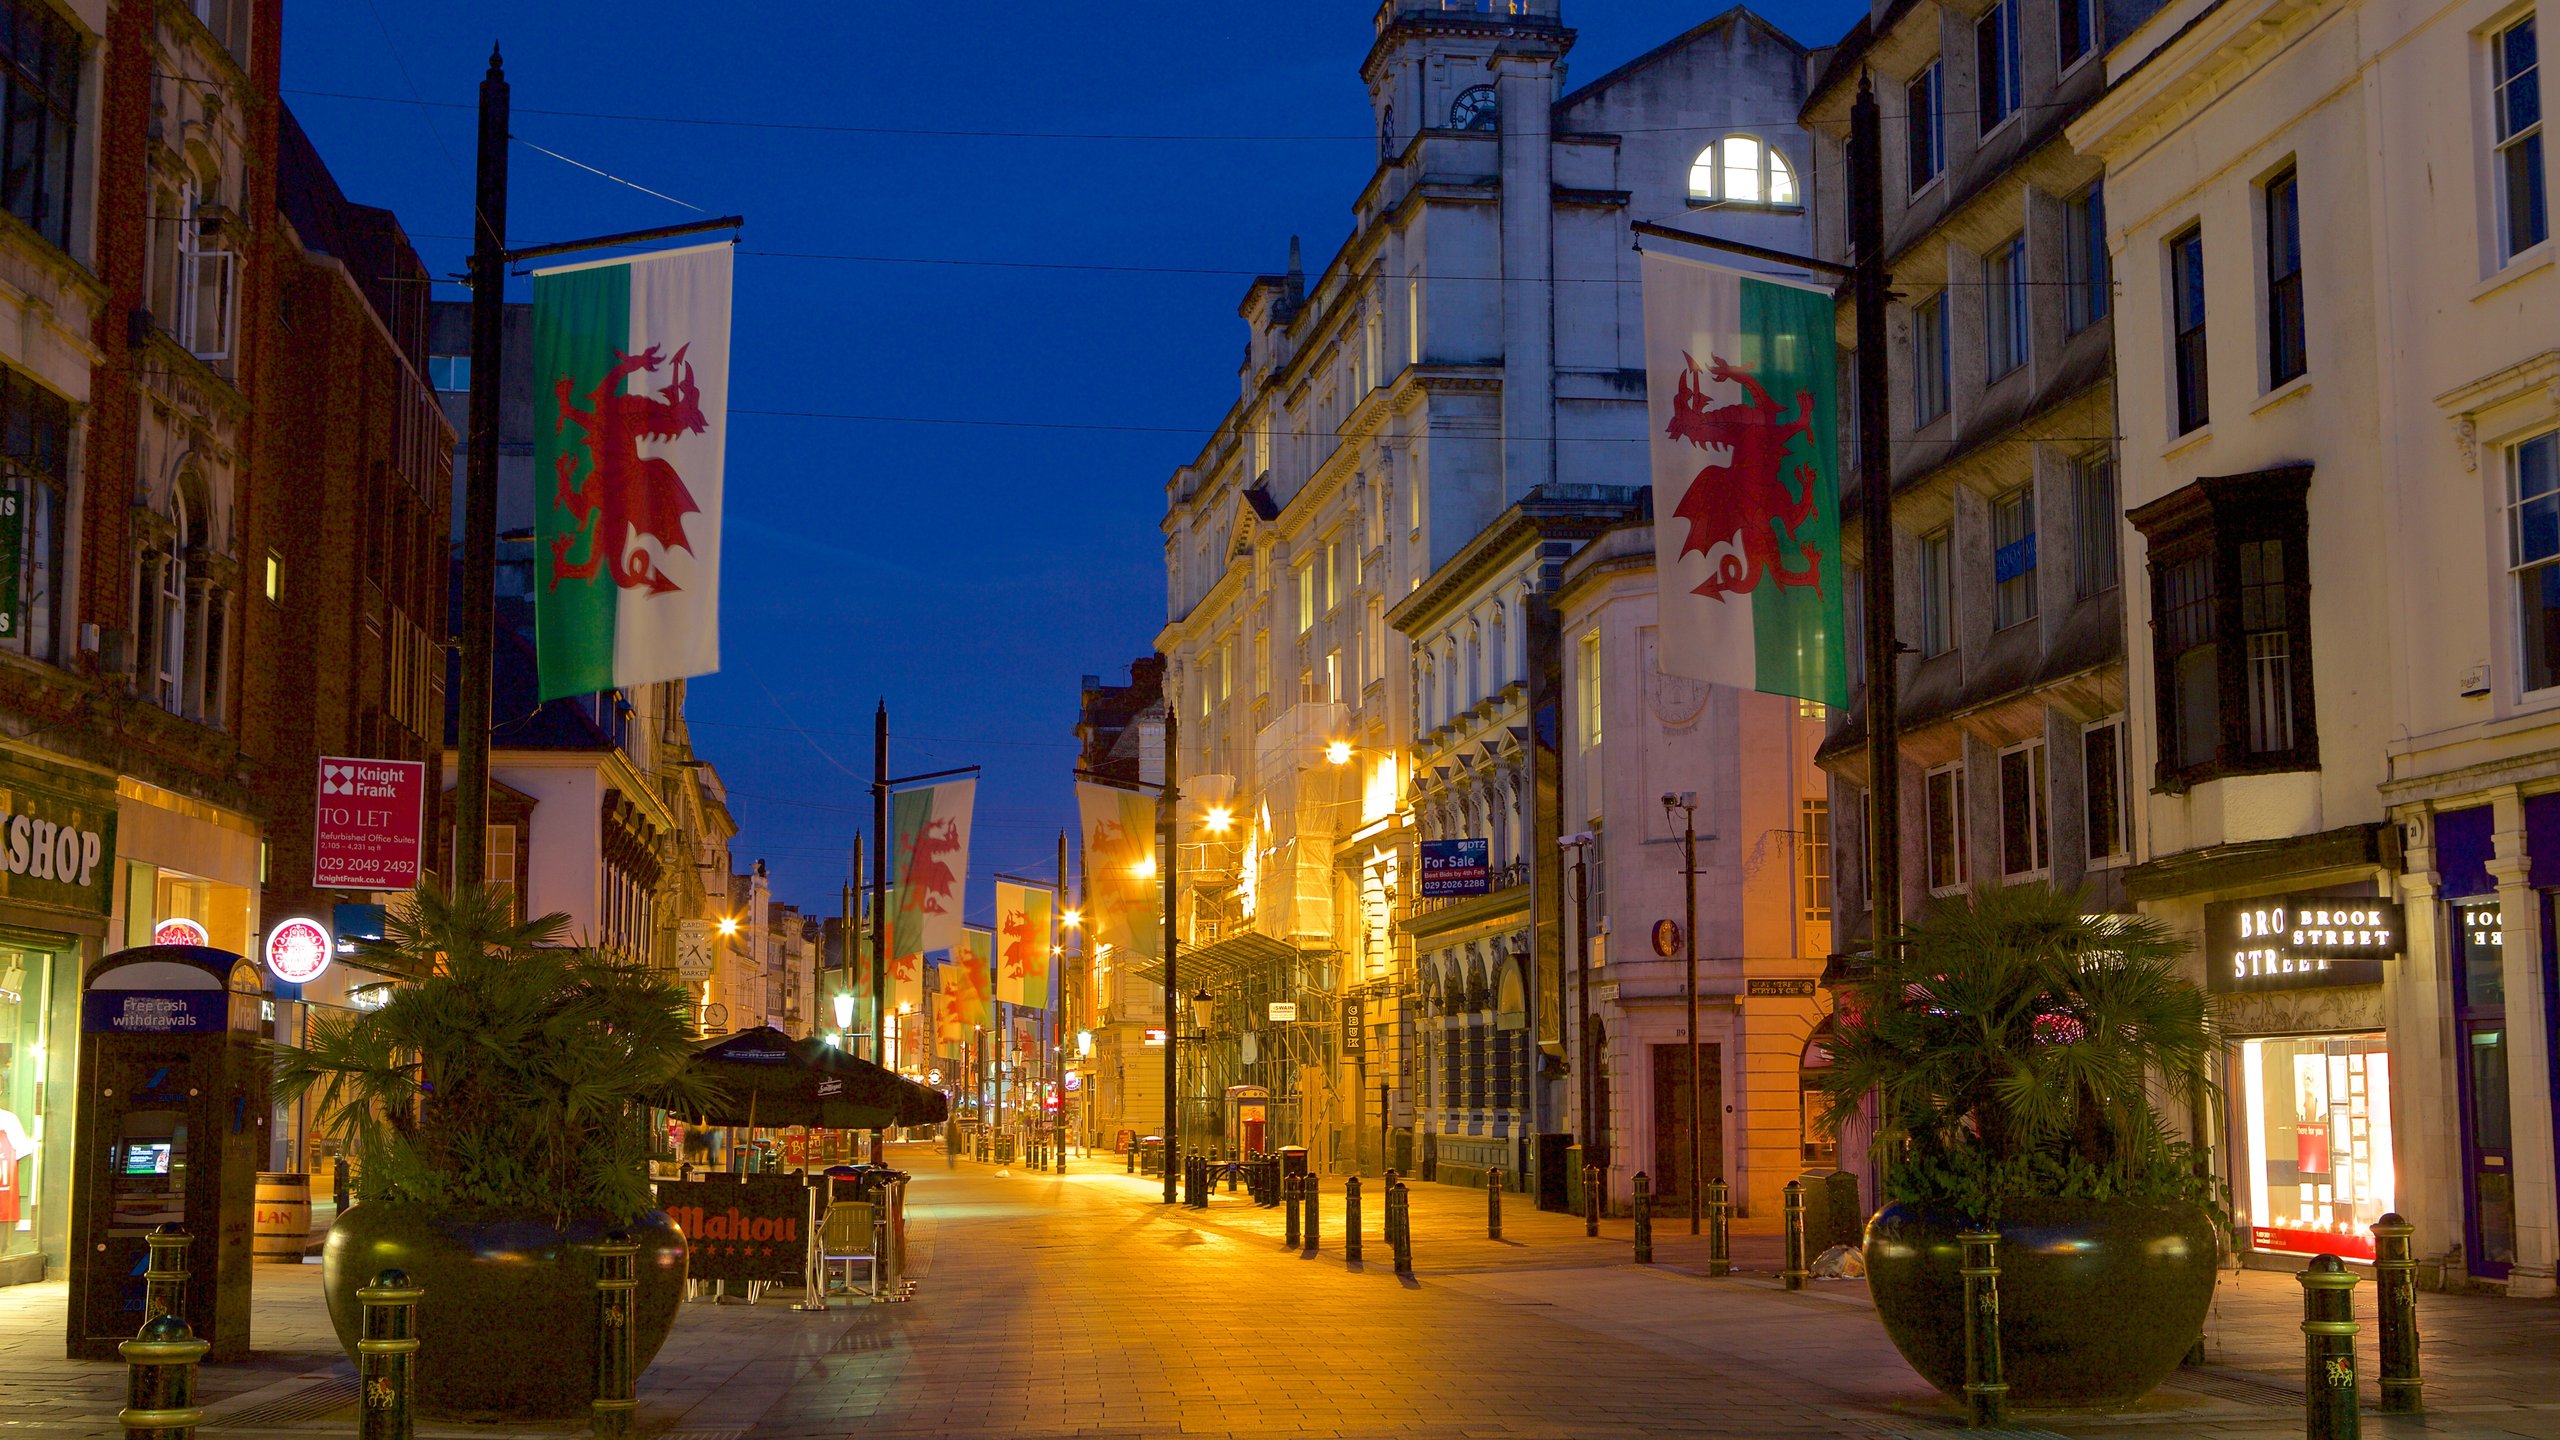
(2186, 299)
(1587, 678)
(2533, 544)
(229, 22)
(2285, 357)
(1387, 133)
(275, 577)
(1929, 360)
(2004, 311)
(1262, 662)
(2524, 206)
(1813, 858)
(35, 501)
(1944, 792)
(1927, 137)
(499, 863)
(1306, 597)
(1333, 677)
(449, 372)
(2075, 24)
(1332, 575)
(1478, 109)
(2024, 818)
(2094, 519)
(1742, 170)
(2013, 557)
(2231, 630)
(1937, 592)
(2102, 789)
(1995, 49)
(40, 86)
(2084, 259)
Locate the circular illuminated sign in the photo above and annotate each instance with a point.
(179, 931)
(298, 950)
(1666, 938)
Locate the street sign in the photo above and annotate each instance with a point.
(371, 830)
(1666, 938)
(1455, 868)
(1282, 1010)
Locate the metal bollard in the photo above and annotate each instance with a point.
(617, 1406)
(1986, 1391)
(387, 1358)
(1232, 1168)
(1351, 1220)
(164, 1284)
(2328, 1350)
(1493, 1204)
(1133, 1158)
(160, 1380)
(1791, 1271)
(1590, 1199)
(2395, 1304)
(1289, 1203)
(1311, 1200)
(1719, 1228)
(1644, 1218)
(1400, 1226)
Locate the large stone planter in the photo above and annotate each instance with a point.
(2098, 1301)
(507, 1326)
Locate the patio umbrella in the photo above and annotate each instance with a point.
(766, 1078)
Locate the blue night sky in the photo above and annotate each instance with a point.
(988, 532)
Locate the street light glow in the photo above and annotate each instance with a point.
(728, 925)
(1144, 869)
(1071, 919)
(844, 1010)
(1219, 818)
(1338, 753)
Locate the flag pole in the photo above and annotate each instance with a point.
(1172, 987)
(480, 483)
(1058, 1005)
(1875, 509)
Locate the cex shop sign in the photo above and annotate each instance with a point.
(371, 833)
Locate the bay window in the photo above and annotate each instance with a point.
(2231, 625)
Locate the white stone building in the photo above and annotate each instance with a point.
(2340, 400)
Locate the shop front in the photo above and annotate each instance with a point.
(2296, 985)
(57, 863)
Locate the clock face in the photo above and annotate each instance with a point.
(1478, 109)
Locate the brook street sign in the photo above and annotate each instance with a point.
(2295, 942)
(372, 820)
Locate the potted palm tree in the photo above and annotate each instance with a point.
(497, 1106)
(2010, 1049)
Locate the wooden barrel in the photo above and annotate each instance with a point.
(283, 1217)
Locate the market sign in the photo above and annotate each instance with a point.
(1456, 868)
(371, 824)
(2295, 942)
(57, 843)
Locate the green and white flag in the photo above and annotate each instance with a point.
(631, 363)
(1741, 390)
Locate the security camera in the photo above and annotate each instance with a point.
(1675, 799)
(1579, 837)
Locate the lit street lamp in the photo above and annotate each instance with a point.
(1686, 802)
(1580, 844)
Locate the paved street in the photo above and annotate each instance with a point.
(1081, 1306)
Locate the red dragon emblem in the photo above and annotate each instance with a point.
(1741, 514)
(1017, 945)
(626, 491)
(928, 879)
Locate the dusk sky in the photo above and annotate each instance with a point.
(986, 304)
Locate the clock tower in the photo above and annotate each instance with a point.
(1437, 64)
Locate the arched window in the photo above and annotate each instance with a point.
(1477, 109)
(1742, 170)
(1387, 133)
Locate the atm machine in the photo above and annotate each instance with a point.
(171, 1130)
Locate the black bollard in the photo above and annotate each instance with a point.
(160, 1380)
(1791, 1271)
(2329, 1350)
(1644, 1218)
(1400, 1226)
(1986, 1391)
(1289, 1203)
(164, 1284)
(1133, 1157)
(1311, 1200)
(1231, 1169)
(1719, 1228)
(1351, 1220)
(1590, 1199)
(617, 1406)
(2395, 1305)
(1493, 1204)
(387, 1358)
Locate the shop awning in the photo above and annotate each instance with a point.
(1223, 963)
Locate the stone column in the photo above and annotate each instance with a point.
(2528, 1059)
(2416, 996)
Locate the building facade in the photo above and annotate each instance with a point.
(2341, 407)
(1120, 1067)
(1473, 341)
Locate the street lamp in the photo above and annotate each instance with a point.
(1203, 1005)
(844, 1010)
(1686, 802)
(1580, 844)
(728, 926)
(1338, 753)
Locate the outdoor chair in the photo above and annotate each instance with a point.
(845, 1236)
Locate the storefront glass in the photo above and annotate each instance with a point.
(2319, 1166)
(25, 993)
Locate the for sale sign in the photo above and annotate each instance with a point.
(372, 825)
(1455, 867)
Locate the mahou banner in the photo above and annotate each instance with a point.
(1123, 893)
(1022, 945)
(631, 430)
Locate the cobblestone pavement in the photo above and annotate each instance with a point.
(1081, 1306)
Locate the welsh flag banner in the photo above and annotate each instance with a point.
(1741, 388)
(631, 362)
(929, 842)
(965, 981)
(1124, 898)
(1022, 945)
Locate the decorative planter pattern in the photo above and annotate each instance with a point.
(2098, 1301)
(508, 1324)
